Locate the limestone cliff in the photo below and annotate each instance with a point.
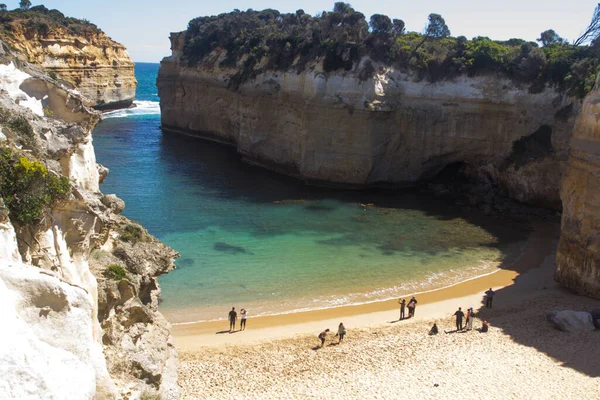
(74, 51)
(77, 280)
(373, 124)
(578, 259)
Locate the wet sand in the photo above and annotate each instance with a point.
(521, 357)
(434, 304)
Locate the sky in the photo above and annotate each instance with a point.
(143, 26)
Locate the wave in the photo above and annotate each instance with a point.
(375, 296)
(141, 107)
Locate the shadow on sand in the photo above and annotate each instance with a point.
(525, 322)
(520, 309)
(227, 331)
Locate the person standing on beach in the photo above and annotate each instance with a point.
(489, 297)
(470, 314)
(322, 336)
(459, 319)
(232, 318)
(402, 303)
(412, 305)
(341, 332)
(243, 313)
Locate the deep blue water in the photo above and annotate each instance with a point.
(250, 238)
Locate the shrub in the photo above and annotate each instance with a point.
(132, 233)
(270, 40)
(48, 112)
(28, 188)
(22, 128)
(116, 272)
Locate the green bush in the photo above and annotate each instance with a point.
(255, 41)
(22, 128)
(28, 188)
(132, 233)
(48, 112)
(116, 272)
(40, 21)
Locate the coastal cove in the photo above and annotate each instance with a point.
(254, 239)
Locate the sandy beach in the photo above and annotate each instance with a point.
(522, 356)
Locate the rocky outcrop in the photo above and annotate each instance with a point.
(345, 128)
(97, 66)
(47, 332)
(571, 321)
(578, 258)
(78, 286)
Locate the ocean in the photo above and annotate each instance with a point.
(253, 239)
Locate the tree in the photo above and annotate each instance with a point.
(2, 7)
(398, 27)
(25, 4)
(437, 27)
(592, 32)
(342, 8)
(550, 37)
(380, 24)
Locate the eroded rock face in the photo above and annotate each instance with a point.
(39, 358)
(74, 329)
(334, 128)
(578, 258)
(97, 66)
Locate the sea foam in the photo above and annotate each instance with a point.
(141, 107)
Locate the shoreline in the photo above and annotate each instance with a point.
(292, 312)
(432, 304)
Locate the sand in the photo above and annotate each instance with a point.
(522, 356)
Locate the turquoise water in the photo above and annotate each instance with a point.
(250, 238)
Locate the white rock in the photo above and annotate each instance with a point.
(48, 350)
(11, 79)
(9, 250)
(572, 321)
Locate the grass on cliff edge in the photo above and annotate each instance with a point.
(116, 272)
(39, 21)
(269, 40)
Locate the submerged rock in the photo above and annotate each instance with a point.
(227, 248)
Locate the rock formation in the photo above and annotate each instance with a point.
(78, 53)
(578, 258)
(78, 284)
(340, 128)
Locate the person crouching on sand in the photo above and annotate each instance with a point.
(341, 332)
(434, 329)
(322, 336)
(484, 327)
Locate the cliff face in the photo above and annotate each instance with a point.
(578, 259)
(97, 66)
(353, 130)
(79, 289)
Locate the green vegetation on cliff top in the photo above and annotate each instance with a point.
(28, 188)
(40, 21)
(255, 41)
